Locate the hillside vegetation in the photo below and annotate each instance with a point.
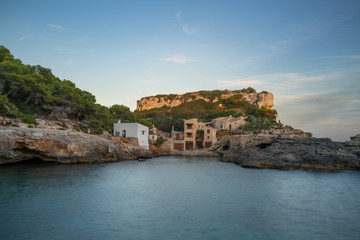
(28, 91)
(211, 95)
(166, 117)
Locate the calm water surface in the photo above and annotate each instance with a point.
(176, 198)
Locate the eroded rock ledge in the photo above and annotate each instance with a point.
(263, 99)
(19, 144)
(293, 153)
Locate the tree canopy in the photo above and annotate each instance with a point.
(34, 90)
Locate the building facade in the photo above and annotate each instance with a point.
(202, 135)
(177, 140)
(198, 134)
(209, 137)
(228, 123)
(135, 130)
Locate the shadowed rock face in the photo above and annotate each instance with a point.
(264, 99)
(64, 147)
(296, 153)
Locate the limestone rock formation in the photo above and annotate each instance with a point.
(294, 153)
(263, 99)
(266, 100)
(19, 144)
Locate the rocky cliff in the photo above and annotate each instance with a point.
(263, 99)
(268, 151)
(19, 144)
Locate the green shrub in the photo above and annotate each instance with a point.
(84, 129)
(159, 142)
(200, 134)
(3, 109)
(257, 124)
(28, 118)
(289, 127)
(146, 122)
(19, 114)
(248, 90)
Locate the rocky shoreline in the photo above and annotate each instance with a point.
(293, 153)
(21, 144)
(251, 151)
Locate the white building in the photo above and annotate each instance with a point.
(135, 130)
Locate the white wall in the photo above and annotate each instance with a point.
(135, 130)
(143, 136)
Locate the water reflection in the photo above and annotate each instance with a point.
(175, 198)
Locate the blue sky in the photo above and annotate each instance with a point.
(307, 53)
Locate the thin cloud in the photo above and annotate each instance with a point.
(281, 45)
(178, 13)
(149, 82)
(69, 63)
(315, 98)
(56, 26)
(73, 50)
(24, 38)
(352, 57)
(239, 83)
(281, 80)
(285, 42)
(188, 30)
(177, 59)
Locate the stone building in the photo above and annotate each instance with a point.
(178, 140)
(228, 123)
(202, 135)
(198, 134)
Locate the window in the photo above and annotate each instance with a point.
(143, 132)
(208, 131)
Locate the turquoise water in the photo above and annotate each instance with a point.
(176, 198)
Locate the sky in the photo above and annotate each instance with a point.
(307, 53)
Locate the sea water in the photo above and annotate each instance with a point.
(176, 198)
